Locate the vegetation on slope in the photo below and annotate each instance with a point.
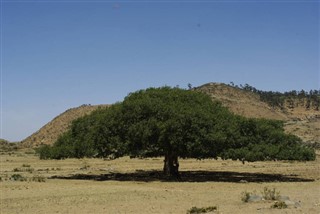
(49, 133)
(6, 146)
(173, 122)
(309, 100)
(245, 100)
(241, 102)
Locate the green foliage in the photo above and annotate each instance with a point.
(196, 210)
(262, 139)
(44, 152)
(177, 123)
(147, 123)
(157, 121)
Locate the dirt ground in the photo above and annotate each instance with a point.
(137, 186)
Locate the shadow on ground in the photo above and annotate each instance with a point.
(188, 176)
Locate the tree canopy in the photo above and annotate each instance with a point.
(173, 123)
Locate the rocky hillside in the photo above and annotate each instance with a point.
(301, 121)
(49, 133)
(241, 102)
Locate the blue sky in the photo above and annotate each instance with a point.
(61, 54)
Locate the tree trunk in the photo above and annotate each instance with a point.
(171, 166)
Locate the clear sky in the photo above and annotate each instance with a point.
(59, 54)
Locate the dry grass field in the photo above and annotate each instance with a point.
(136, 185)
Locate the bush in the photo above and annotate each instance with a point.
(44, 152)
(267, 194)
(66, 147)
(279, 205)
(18, 177)
(38, 178)
(196, 210)
(270, 194)
(245, 196)
(17, 170)
(26, 168)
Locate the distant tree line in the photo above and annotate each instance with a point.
(309, 100)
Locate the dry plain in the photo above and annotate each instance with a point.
(137, 186)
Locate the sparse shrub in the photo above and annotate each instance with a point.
(279, 205)
(85, 166)
(17, 170)
(270, 194)
(38, 178)
(196, 210)
(245, 196)
(30, 152)
(267, 194)
(18, 177)
(30, 170)
(25, 169)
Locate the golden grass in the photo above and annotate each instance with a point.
(206, 183)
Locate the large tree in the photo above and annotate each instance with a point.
(173, 123)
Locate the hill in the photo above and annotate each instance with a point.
(300, 120)
(49, 133)
(241, 102)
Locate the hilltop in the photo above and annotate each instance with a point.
(50, 132)
(301, 118)
(301, 121)
(241, 102)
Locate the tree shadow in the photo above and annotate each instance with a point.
(188, 176)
